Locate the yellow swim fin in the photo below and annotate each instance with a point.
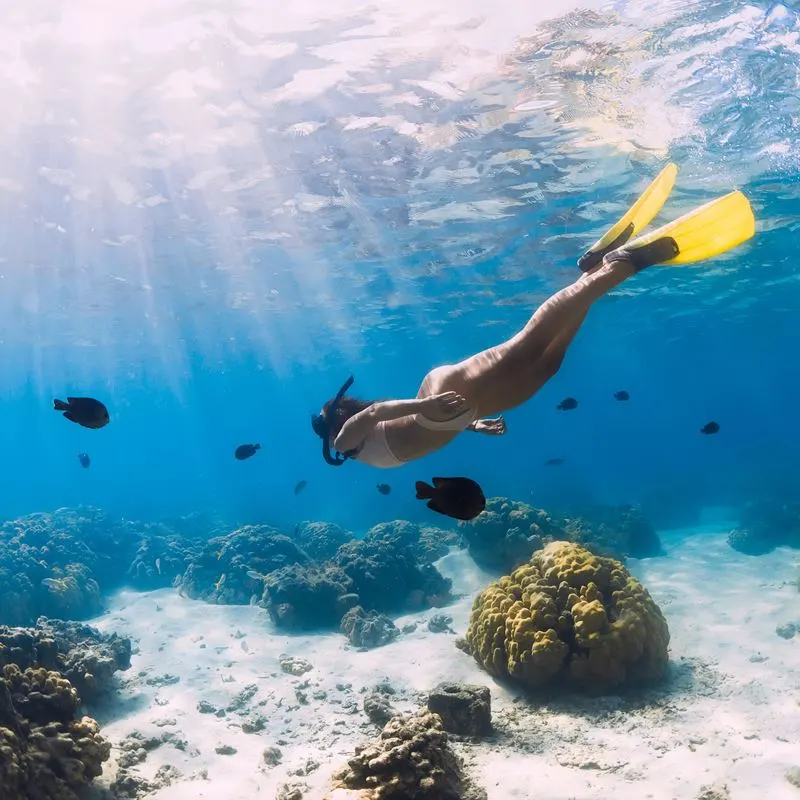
(635, 220)
(707, 231)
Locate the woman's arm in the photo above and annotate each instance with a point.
(359, 426)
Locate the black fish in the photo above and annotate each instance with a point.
(710, 427)
(84, 411)
(567, 404)
(244, 451)
(384, 488)
(300, 486)
(622, 395)
(554, 462)
(460, 498)
(85, 460)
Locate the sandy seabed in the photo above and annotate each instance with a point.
(729, 715)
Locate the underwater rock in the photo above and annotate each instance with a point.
(46, 752)
(569, 617)
(410, 760)
(321, 540)
(85, 656)
(367, 630)
(426, 543)
(377, 707)
(292, 665)
(228, 568)
(615, 531)
(440, 623)
(62, 564)
(464, 709)
(387, 577)
(272, 756)
(787, 631)
(507, 533)
(765, 525)
(306, 597)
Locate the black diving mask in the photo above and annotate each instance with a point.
(320, 423)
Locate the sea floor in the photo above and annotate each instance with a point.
(729, 716)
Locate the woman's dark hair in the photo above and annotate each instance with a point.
(347, 407)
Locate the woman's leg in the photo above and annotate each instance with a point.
(507, 375)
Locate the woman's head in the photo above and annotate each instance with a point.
(343, 409)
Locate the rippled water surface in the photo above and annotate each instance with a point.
(206, 189)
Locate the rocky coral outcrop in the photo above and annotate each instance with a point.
(410, 760)
(569, 616)
(305, 597)
(83, 655)
(46, 752)
(230, 568)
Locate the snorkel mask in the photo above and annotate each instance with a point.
(321, 425)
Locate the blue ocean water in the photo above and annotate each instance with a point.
(214, 212)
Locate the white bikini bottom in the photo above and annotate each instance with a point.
(459, 423)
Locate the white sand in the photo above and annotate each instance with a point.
(731, 714)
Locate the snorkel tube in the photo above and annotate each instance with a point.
(322, 427)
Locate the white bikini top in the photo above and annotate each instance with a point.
(375, 450)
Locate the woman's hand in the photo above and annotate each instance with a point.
(444, 406)
(491, 427)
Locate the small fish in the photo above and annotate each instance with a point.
(710, 427)
(85, 460)
(244, 451)
(220, 583)
(158, 565)
(384, 488)
(567, 404)
(255, 576)
(554, 462)
(622, 396)
(300, 486)
(460, 498)
(84, 411)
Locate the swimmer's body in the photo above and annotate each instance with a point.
(473, 394)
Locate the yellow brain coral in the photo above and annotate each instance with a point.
(569, 615)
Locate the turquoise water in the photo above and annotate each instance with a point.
(212, 213)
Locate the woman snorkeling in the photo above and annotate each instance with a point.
(471, 395)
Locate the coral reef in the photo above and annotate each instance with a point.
(367, 630)
(229, 568)
(615, 531)
(569, 616)
(62, 564)
(427, 543)
(508, 533)
(320, 540)
(411, 760)
(387, 577)
(308, 596)
(463, 708)
(46, 753)
(83, 655)
(765, 525)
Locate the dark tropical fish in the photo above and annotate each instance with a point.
(567, 404)
(244, 451)
(384, 488)
(460, 498)
(84, 459)
(300, 486)
(710, 427)
(554, 462)
(84, 411)
(622, 395)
